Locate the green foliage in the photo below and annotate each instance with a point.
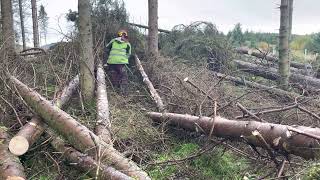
(252, 39)
(198, 43)
(236, 35)
(44, 178)
(211, 165)
(300, 42)
(314, 44)
(313, 172)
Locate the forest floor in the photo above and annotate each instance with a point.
(164, 152)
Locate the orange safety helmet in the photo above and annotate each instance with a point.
(122, 32)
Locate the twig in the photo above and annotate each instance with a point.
(303, 133)
(248, 112)
(34, 76)
(309, 112)
(14, 110)
(195, 86)
(280, 172)
(269, 111)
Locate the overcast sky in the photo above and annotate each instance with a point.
(256, 15)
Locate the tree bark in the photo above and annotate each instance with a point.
(271, 73)
(284, 62)
(103, 125)
(268, 57)
(32, 131)
(67, 92)
(78, 135)
(290, 19)
(85, 162)
(7, 27)
(86, 54)
(155, 96)
(10, 166)
(153, 29)
(35, 23)
(22, 25)
(282, 138)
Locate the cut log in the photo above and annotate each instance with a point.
(267, 57)
(27, 136)
(103, 126)
(85, 162)
(77, 135)
(272, 90)
(279, 137)
(31, 131)
(307, 71)
(154, 94)
(271, 73)
(10, 166)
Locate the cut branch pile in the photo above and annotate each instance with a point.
(272, 90)
(282, 139)
(94, 152)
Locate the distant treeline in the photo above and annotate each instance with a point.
(263, 40)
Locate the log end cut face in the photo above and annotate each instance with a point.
(18, 145)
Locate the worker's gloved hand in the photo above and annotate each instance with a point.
(105, 65)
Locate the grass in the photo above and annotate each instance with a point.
(212, 165)
(313, 172)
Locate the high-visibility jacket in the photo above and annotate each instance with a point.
(120, 51)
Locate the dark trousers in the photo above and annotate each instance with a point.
(118, 75)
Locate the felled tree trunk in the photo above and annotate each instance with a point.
(85, 162)
(280, 137)
(251, 84)
(10, 166)
(77, 135)
(155, 96)
(268, 57)
(271, 73)
(103, 126)
(31, 132)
